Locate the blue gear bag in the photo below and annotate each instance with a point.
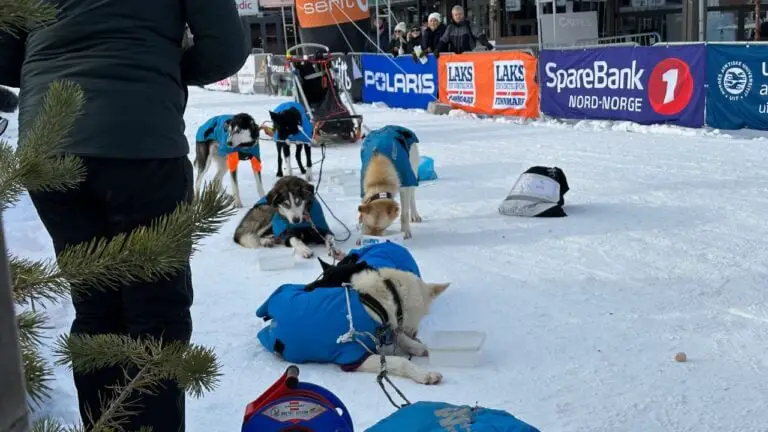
(444, 417)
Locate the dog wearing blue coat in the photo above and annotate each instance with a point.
(371, 303)
(390, 164)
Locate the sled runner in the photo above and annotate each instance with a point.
(317, 90)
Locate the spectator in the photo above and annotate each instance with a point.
(414, 39)
(763, 31)
(379, 36)
(458, 36)
(431, 35)
(398, 43)
(130, 64)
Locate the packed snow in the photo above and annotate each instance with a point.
(663, 251)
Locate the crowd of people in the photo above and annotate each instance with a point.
(432, 36)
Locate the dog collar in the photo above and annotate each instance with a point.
(380, 195)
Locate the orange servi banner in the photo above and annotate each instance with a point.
(492, 83)
(324, 13)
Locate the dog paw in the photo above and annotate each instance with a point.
(416, 218)
(431, 378)
(407, 234)
(279, 174)
(268, 242)
(305, 251)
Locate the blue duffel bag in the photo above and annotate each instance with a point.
(444, 417)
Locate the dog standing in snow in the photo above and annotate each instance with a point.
(390, 163)
(292, 126)
(226, 140)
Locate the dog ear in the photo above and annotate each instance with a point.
(272, 197)
(309, 191)
(325, 266)
(364, 208)
(274, 116)
(435, 289)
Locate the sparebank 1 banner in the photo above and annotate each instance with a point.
(646, 85)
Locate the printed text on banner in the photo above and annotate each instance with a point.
(493, 83)
(646, 85)
(737, 96)
(402, 84)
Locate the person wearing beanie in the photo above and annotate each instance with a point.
(431, 35)
(398, 44)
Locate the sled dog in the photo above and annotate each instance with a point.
(390, 163)
(226, 140)
(292, 126)
(288, 214)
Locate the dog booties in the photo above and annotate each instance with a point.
(538, 192)
(442, 417)
(283, 230)
(213, 129)
(304, 326)
(395, 142)
(306, 123)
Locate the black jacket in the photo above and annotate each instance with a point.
(394, 46)
(430, 38)
(128, 60)
(458, 38)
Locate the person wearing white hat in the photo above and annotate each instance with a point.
(398, 43)
(431, 35)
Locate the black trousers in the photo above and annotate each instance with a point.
(116, 197)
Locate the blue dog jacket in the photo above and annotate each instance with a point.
(281, 228)
(390, 142)
(305, 325)
(444, 417)
(213, 129)
(306, 123)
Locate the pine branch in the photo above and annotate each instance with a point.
(38, 163)
(21, 14)
(49, 425)
(36, 281)
(37, 373)
(31, 326)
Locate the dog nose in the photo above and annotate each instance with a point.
(295, 220)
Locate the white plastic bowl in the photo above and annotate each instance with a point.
(391, 236)
(455, 348)
(277, 258)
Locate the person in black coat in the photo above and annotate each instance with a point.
(430, 37)
(458, 37)
(414, 39)
(129, 61)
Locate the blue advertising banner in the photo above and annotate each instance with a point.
(737, 96)
(645, 85)
(399, 82)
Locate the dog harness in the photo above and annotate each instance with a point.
(395, 142)
(213, 129)
(283, 230)
(306, 123)
(307, 321)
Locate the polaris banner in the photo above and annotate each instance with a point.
(349, 76)
(399, 82)
(737, 96)
(646, 85)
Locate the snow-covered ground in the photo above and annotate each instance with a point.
(664, 250)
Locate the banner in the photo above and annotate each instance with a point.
(399, 82)
(279, 79)
(349, 76)
(493, 83)
(645, 85)
(737, 96)
(246, 76)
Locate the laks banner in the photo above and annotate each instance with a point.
(399, 82)
(737, 96)
(646, 85)
(493, 83)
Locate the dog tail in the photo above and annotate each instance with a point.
(8, 100)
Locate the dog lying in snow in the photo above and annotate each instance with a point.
(289, 214)
(387, 298)
(226, 140)
(390, 163)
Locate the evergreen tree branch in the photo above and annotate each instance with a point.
(31, 326)
(36, 281)
(21, 14)
(37, 373)
(117, 410)
(49, 425)
(38, 163)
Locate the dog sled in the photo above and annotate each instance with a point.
(316, 88)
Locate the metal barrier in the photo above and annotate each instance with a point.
(644, 39)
